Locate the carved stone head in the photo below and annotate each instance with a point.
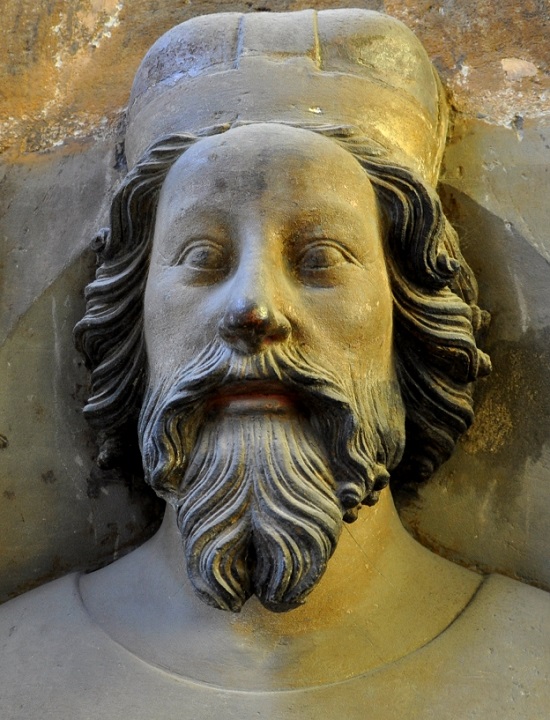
(280, 307)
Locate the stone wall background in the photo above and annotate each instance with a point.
(66, 68)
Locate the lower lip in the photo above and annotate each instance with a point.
(250, 404)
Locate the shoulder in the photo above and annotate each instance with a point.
(42, 632)
(521, 610)
(493, 661)
(54, 660)
(504, 631)
(36, 610)
(38, 624)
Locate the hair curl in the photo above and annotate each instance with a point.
(436, 316)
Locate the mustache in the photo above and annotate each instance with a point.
(176, 408)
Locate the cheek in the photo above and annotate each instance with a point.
(352, 326)
(177, 322)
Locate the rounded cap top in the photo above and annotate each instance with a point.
(334, 67)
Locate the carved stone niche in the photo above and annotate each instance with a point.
(282, 313)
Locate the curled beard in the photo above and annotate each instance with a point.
(260, 514)
(258, 506)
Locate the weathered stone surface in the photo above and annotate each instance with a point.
(58, 510)
(490, 504)
(51, 205)
(68, 68)
(59, 57)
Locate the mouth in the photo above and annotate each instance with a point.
(253, 397)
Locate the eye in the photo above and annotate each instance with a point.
(206, 260)
(315, 262)
(321, 256)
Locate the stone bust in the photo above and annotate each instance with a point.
(282, 314)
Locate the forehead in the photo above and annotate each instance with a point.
(278, 163)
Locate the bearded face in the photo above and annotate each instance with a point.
(272, 409)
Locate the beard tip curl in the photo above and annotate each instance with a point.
(227, 592)
(228, 603)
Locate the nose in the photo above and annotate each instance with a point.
(250, 324)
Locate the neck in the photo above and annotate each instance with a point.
(382, 597)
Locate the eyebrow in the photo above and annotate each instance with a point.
(339, 210)
(199, 208)
(334, 205)
(220, 217)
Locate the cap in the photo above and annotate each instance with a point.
(349, 67)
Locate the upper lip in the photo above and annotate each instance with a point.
(252, 387)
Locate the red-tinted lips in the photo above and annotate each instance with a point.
(254, 396)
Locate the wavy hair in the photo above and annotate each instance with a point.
(436, 316)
